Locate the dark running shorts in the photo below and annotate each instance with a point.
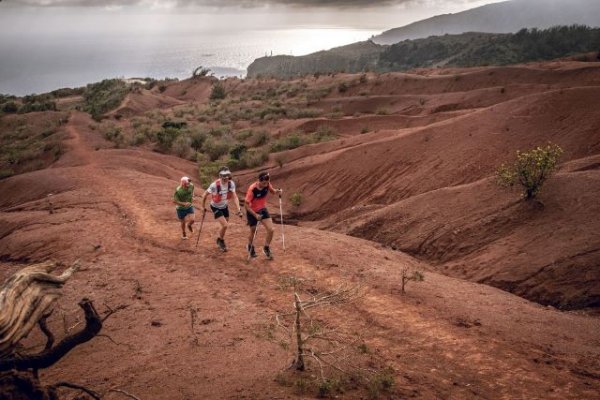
(182, 213)
(220, 212)
(262, 212)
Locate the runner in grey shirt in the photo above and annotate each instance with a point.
(221, 191)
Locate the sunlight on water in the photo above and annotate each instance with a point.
(36, 65)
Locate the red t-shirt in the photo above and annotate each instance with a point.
(256, 197)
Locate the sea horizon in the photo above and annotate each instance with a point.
(32, 64)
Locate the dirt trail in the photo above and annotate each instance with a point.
(445, 339)
(196, 323)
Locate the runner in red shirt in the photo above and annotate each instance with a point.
(256, 210)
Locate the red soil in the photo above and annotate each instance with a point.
(424, 189)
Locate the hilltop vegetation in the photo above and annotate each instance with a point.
(464, 50)
(480, 49)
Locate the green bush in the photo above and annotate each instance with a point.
(218, 91)
(6, 173)
(37, 106)
(207, 172)
(258, 138)
(296, 199)
(104, 96)
(288, 142)
(182, 147)
(10, 107)
(237, 150)
(112, 133)
(215, 148)
(198, 138)
(324, 133)
(255, 158)
(166, 137)
(530, 170)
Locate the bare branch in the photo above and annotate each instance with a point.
(49, 357)
(78, 387)
(110, 311)
(44, 328)
(125, 393)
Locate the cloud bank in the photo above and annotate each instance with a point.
(227, 3)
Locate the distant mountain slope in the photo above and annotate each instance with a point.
(504, 17)
(469, 49)
(354, 57)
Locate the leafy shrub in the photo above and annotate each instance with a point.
(166, 137)
(10, 107)
(258, 138)
(207, 172)
(530, 170)
(237, 150)
(296, 199)
(288, 142)
(295, 113)
(342, 87)
(324, 133)
(218, 91)
(174, 124)
(215, 148)
(37, 106)
(243, 135)
(182, 147)
(198, 137)
(255, 158)
(104, 96)
(112, 133)
(6, 173)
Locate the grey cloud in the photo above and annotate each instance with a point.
(210, 3)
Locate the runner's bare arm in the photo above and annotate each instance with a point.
(236, 201)
(204, 197)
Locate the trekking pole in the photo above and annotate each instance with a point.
(201, 224)
(252, 242)
(281, 216)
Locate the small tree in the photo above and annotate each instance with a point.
(416, 276)
(296, 199)
(200, 71)
(530, 170)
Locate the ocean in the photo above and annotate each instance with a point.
(44, 62)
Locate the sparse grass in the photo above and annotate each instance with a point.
(104, 96)
(383, 382)
(28, 143)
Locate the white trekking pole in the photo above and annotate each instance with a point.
(281, 216)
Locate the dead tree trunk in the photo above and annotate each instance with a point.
(299, 361)
(26, 300)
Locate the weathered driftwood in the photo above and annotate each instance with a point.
(93, 325)
(25, 298)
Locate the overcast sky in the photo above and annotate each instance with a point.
(145, 15)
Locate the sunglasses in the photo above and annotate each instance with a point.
(264, 178)
(225, 176)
